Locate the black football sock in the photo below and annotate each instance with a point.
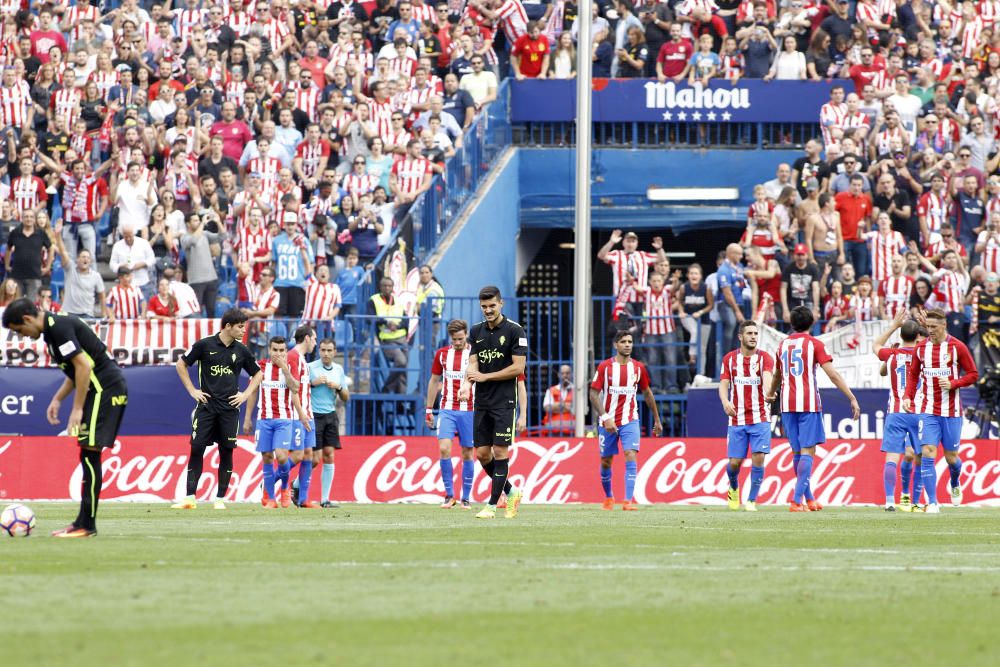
(225, 470)
(499, 478)
(90, 491)
(195, 463)
(489, 468)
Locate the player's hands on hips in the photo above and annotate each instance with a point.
(730, 409)
(657, 429)
(236, 400)
(199, 396)
(75, 418)
(52, 412)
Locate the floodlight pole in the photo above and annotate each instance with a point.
(581, 259)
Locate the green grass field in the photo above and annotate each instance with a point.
(572, 585)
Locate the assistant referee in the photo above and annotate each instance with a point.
(99, 395)
(216, 418)
(498, 351)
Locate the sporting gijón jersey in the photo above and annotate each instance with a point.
(619, 384)
(219, 367)
(932, 363)
(746, 386)
(798, 358)
(305, 387)
(450, 364)
(897, 362)
(67, 336)
(495, 350)
(275, 396)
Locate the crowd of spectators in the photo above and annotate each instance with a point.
(268, 147)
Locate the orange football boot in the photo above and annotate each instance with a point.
(608, 504)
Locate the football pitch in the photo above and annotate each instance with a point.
(560, 585)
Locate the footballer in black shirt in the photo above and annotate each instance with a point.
(99, 395)
(216, 417)
(498, 351)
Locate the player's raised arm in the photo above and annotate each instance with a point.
(883, 338)
(838, 382)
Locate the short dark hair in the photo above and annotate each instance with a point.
(277, 340)
(801, 318)
(489, 292)
(233, 316)
(328, 341)
(621, 333)
(454, 326)
(303, 332)
(909, 331)
(744, 325)
(17, 311)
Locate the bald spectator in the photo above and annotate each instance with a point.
(234, 132)
(558, 405)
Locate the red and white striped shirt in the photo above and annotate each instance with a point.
(972, 33)
(990, 259)
(75, 16)
(274, 398)
(82, 199)
(267, 167)
(865, 307)
(398, 139)
(305, 385)
(619, 384)
(381, 116)
(410, 174)
(65, 103)
(897, 361)
(934, 208)
(276, 32)
(321, 299)
(932, 363)
(867, 12)
(884, 139)
(514, 19)
(28, 193)
(104, 81)
(732, 64)
(895, 292)
(308, 101)
(881, 250)
(949, 291)
(798, 358)
(311, 155)
(450, 364)
(267, 299)
(831, 116)
(186, 20)
(636, 264)
(14, 103)
(125, 302)
(249, 242)
(658, 318)
(359, 185)
(746, 386)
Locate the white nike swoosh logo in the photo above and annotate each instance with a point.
(480, 340)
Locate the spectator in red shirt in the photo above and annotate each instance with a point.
(530, 55)
(43, 39)
(865, 72)
(235, 133)
(855, 208)
(673, 56)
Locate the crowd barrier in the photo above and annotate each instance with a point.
(549, 470)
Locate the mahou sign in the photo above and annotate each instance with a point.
(551, 470)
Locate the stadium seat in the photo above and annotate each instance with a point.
(343, 335)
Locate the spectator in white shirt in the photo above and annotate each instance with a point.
(134, 198)
(135, 253)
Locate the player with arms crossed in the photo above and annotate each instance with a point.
(328, 383)
(941, 366)
(797, 359)
(901, 433)
(612, 396)
(746, 373)
(279, 405)
(216, 417)
(99, 395)
(455, 416)
(497, 355)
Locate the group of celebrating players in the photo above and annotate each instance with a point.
(479, 375)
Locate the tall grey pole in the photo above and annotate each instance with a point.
(581, 260)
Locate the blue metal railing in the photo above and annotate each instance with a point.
(660, 135)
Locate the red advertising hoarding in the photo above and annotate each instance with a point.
(550, 470)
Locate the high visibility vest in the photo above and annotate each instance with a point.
(390, 312)
(435, 292)
(560, 421)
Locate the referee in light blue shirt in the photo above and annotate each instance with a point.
(328, 382)
(730, 297)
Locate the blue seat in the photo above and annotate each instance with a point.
(228, 291)
(343, 334)
(58, 280)
(222, 304)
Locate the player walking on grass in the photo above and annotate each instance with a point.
(941, 366)
(216, 417)
(797, 360)
(746, 373)
(303, 438)
(99, 395)
(279, 405)
(613, 396)
(328, 383)
(901, 433)
(455, 415)
(497, 355)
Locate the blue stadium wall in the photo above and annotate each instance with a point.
(536, 186)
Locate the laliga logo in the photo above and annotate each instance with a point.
(666, 96)
(390, 473)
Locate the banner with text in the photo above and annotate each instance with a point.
(549, 470)
(130, 342)
(644, 100)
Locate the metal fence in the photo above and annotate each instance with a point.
(665, 135)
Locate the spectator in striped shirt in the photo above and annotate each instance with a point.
(660, 336)
(125, 301)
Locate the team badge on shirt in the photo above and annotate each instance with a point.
(503, 339)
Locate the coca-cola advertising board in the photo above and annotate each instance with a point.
(549, 470)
